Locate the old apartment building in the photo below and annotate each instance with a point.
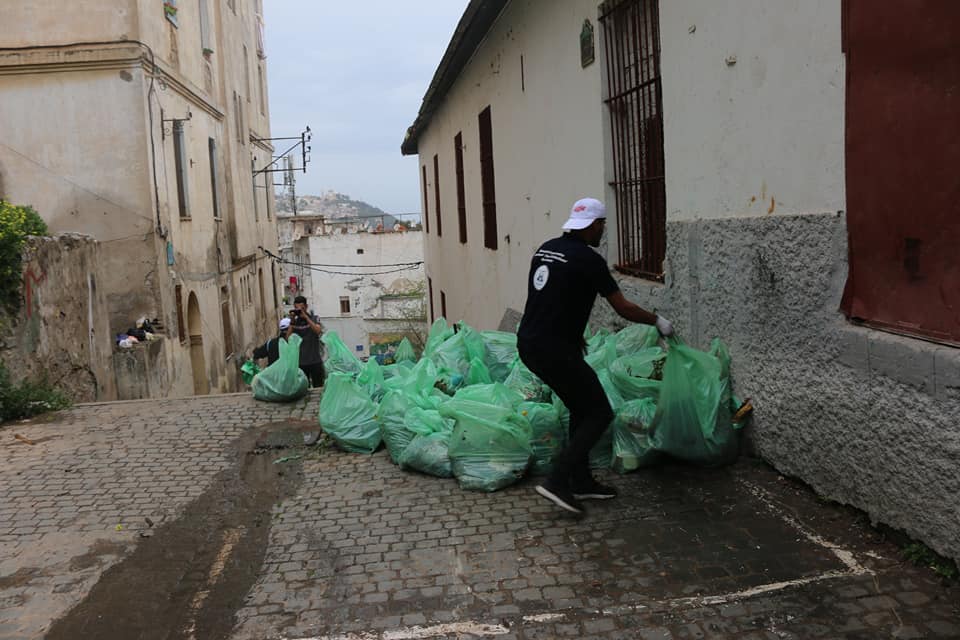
(143, 123)
(778, 173)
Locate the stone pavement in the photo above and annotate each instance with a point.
(365, 551)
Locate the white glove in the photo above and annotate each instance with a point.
(664, 326)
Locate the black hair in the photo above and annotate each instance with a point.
(299, 299)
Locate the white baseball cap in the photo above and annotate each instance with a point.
(284, 324)
(584, 212)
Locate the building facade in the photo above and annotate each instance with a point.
(755, 158)
(363, 281)
(144, 123)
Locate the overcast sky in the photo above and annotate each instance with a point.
(355, 72)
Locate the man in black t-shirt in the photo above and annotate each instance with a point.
(306, 325)
(565, 277)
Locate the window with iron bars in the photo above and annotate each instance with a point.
(635, 101)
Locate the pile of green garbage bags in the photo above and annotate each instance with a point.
(468, 407)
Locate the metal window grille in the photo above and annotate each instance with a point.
(632, 37)
(461, 191)
(436, 192)
(486, 179)
(426, 201)
(344, 305)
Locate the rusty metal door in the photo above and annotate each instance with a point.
(903, 165)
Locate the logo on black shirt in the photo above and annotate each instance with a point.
(540, 277)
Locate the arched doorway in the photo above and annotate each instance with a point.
(201, 385)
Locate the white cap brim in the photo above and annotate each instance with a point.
(575, 224)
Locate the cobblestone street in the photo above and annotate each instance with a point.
(360, 549)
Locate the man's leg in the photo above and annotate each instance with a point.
(577, 385)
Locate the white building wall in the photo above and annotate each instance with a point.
(548, 145)
(364, 291)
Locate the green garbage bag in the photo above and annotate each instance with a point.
(451, 355)
(248, 371)
(396, 370)
(493, 393)
(601, 455)
(371, 379)
(391, 416)
(428, 452)
(527, 383)
(478, 373)
(548, 435)
(283, 380)
(348, 415)
(636, 337)
(596, 341)
(405, 352)
(501, 353)
(637, 376)
(632, 448)
(339, 358)
(490, 445)
(439, 332)
(604, 355)
(473, 342)
(693, 419)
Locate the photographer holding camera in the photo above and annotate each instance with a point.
(306, 325)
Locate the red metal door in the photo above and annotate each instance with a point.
(903, 165)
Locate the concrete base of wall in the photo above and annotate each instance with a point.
(867, 418)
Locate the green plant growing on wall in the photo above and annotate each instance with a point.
(16, 223)
(28, 398)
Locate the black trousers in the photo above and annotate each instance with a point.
(577, 385)
(316, 373)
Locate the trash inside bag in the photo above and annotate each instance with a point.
(639, 375)
(632, 448)
(693, 419)
(527, 383)
(339, 358)
(283, 380)
(548, 436)
(391, 416)
(490, 445)
(248, 371)
(501, 353)
(348, 415)
(428, 452)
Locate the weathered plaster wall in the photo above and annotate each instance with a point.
(753, 105)
(62, 329)
(58, 22)
(867, 418)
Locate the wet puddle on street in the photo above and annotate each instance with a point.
(188, 577)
